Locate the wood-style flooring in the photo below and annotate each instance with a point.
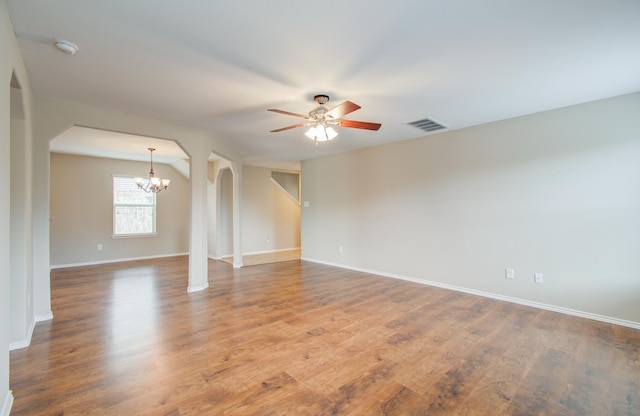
(299, 338)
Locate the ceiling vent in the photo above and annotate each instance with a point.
(428, 125)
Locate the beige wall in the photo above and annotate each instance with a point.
(82, 215)
(270, 218)
(556, 192)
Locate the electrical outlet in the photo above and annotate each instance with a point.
(538, 277)
(509, 273)
(340, 249)
(268, 240)
(99, 247)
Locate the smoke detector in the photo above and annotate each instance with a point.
(66, 47)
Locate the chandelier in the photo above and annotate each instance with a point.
(152, 184)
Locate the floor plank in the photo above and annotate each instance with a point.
(299, 338)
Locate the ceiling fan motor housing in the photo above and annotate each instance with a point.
(321, 99)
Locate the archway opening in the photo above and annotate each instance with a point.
(84, 164)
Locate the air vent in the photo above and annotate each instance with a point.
(428, 125)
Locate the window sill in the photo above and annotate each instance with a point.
(119, 236)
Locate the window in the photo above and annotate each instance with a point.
(134, 211)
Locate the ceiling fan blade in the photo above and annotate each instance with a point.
(343, 109)
(287, 113)
(289, 127)
(359, 124)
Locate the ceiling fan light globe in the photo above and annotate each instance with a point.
(331, 133)
(311, 133)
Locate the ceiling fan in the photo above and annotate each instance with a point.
(321, 120)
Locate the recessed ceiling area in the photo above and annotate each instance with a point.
(218, 66)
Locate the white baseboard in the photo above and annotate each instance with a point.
(6, 406)
(192, 289)
(46, 317)
(19, 344)
(559, 309)
(93, 263)
(25, 342)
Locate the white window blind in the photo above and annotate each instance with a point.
(134, 211)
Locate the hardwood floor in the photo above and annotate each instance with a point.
(298, 338)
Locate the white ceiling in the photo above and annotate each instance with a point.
(218, 65)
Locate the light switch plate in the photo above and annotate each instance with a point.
(509, 273)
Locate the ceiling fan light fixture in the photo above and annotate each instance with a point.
(321, 133)
(321, 120)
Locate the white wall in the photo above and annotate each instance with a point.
(82, 214)
(21, 277)
(5, 327)
(212, 241)
(556, 192)
(224, 219)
